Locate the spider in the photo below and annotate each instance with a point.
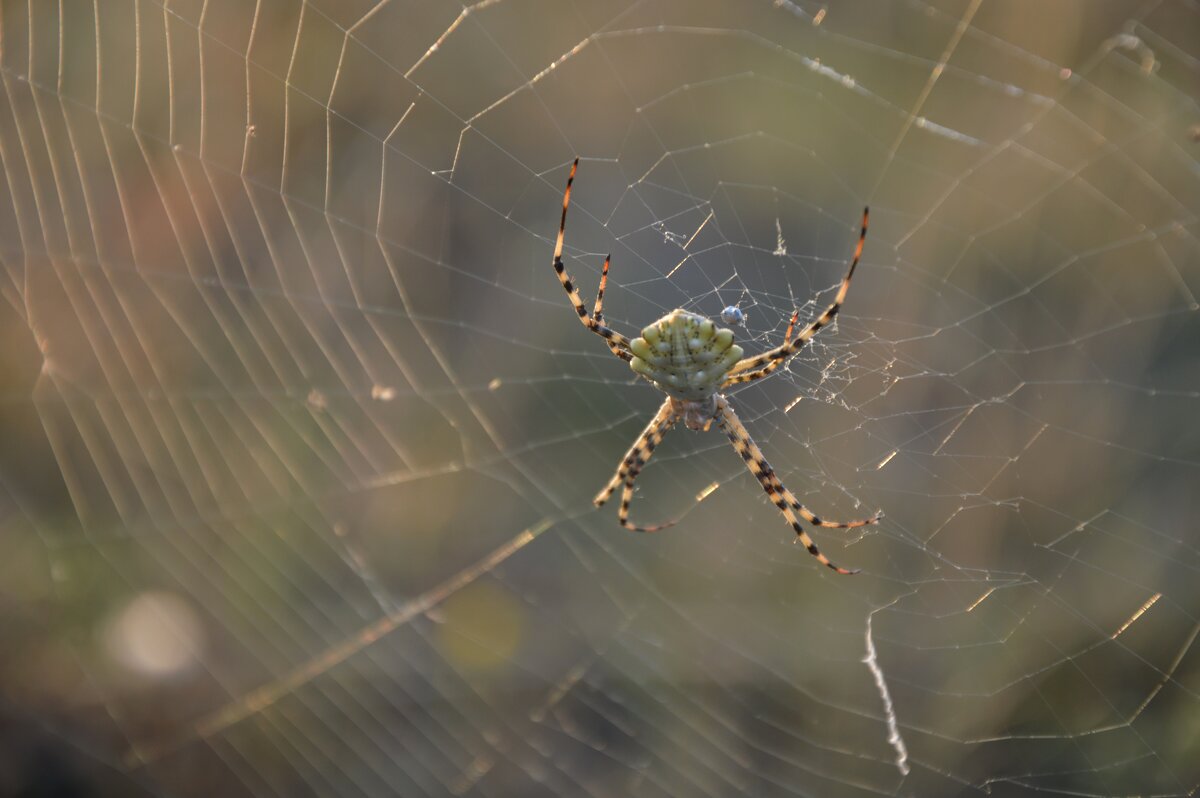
(690, 359)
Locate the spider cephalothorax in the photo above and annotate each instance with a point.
(690, 359)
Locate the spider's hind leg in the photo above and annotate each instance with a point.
(783, 498)
(623, 513)
(633, 462)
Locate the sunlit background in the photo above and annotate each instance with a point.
(300, 432)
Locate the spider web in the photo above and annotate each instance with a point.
(301, 434)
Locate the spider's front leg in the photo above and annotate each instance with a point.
(758, 374)
(781, 496)
(618, 343)
(598, 312)
(787, 349)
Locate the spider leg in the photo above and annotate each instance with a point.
(641, 450)
(598, 313)
(781, 496)
(767, 369)
(614, 338)
(623, 512)
(788, 349)
(633, 462)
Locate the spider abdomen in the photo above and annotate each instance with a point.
(685, 355)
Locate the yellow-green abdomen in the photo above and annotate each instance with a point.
(686, 355)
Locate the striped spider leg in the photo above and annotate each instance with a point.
(783, 498)
(618, 343)
(751, 376)
(598, 313)
(633, 462)
(788, 348)
(690, 359)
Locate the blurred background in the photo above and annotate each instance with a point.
(300, 433)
